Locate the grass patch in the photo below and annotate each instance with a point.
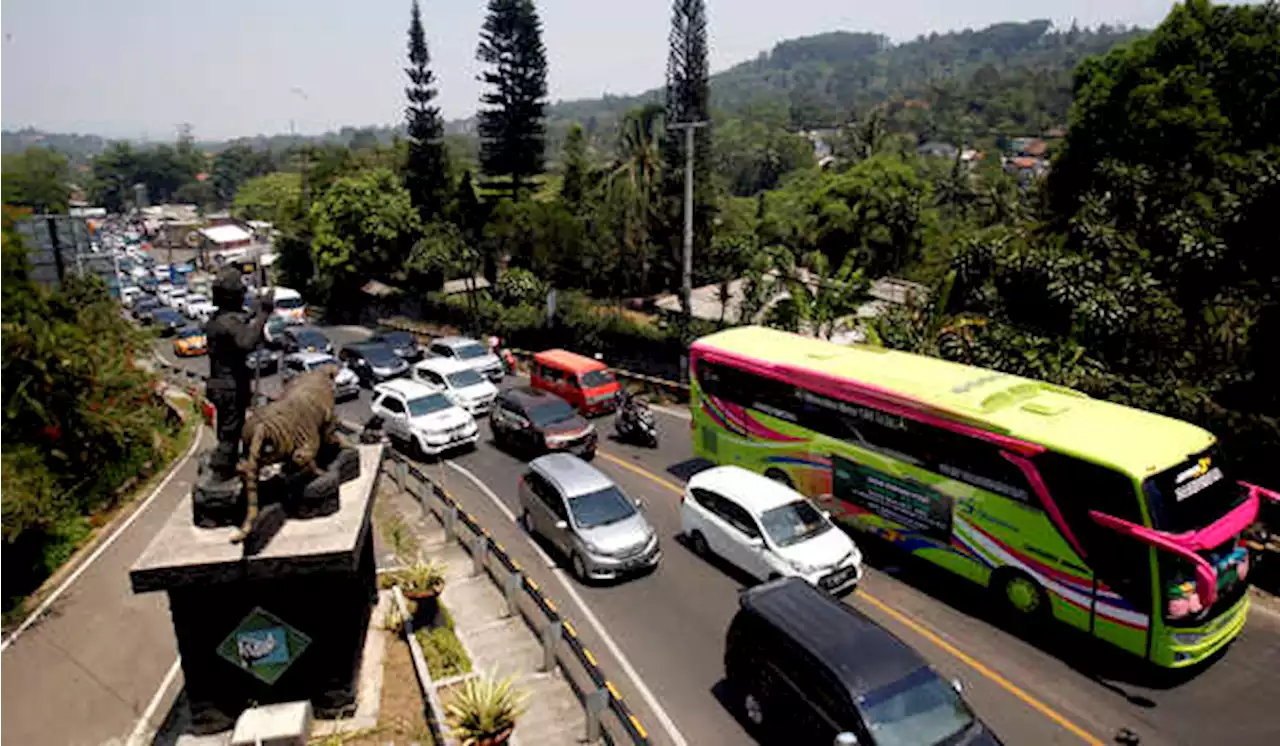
(442, 649)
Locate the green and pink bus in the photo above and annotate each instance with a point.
(1119, 522)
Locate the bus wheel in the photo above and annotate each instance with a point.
(779, 476)
(1022, 596)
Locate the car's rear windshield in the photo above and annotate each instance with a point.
(464, 378)
(320, 361)
(428, 404)
(290, 303)
(601, 508)
(551, 412)
(470, 351)
(918, 710)
(793, 523)
(190, 331)
(597, 378)
(311, 338)
(397, 339)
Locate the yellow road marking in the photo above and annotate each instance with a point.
(919, 629)
(640, 471)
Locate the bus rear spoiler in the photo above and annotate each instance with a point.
(1188, 545)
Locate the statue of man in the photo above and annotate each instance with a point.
(232, 334)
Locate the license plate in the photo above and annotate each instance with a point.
(837, 578)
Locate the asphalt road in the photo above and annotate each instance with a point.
(661, 636)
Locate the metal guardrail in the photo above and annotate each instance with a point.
(675, 388)
(608, 716)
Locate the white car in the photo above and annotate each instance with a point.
(470, 352)
(129, 294)
(767, 529)
(424, 419)
(160, 272)
(174, 297)
(201, 311)
(183, 303)
(346, 384)
(459, 381)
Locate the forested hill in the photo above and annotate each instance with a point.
(1010, 76)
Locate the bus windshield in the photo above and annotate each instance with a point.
(1195, 493)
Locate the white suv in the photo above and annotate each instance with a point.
(469, 352)
(425, 419)
(767, 529)
(459, 381)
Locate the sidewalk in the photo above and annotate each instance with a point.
(91, 666)
(492, 640)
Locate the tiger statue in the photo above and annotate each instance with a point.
(291, 428)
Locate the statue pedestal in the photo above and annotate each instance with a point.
(285, 624)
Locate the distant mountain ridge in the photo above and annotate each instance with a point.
(820, 79)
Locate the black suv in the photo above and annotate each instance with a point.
(538, 422)
(403, 343)
(804, 668)
(373, 363)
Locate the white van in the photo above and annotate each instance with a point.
(289, 305)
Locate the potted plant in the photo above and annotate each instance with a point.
(421, 583)
(483, 710)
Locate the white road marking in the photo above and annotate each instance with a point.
(546, 559)
(667, 723)
(75, 575)
(138, 736)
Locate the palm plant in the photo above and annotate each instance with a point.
(633, 181)
(421, 579)
(483, 710)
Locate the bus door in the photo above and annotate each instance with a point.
(1118, 573)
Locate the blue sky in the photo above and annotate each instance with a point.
(137, 68)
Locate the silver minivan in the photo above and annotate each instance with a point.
(580, 511)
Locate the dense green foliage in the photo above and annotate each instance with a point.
(79, 418)
(37, 178)
(511, 126)
(1151, 277)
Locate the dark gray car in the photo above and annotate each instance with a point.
(579, 510)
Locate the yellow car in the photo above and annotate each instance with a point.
(190, 342)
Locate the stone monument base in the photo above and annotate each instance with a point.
(218, 501)
(284, 624)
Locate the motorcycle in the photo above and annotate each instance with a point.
(635, 422)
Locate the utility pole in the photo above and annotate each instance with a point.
(686, 278)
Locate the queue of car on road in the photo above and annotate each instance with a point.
(799, 665)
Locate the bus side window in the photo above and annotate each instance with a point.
(978, 463)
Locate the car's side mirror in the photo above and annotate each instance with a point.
(639, 503)
(846, 739)
(562, 525)
(955, 684)
(755, 541)
(826, 514)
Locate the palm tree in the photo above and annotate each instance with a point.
(633, 182)
(822, 297)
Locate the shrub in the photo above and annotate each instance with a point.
(518, 285)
